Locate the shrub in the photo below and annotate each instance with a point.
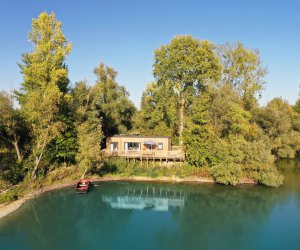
(9, 196)
(271, 179)
(227, 174)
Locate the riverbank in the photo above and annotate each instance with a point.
(7, 208)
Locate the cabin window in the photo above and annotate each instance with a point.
(113, 146)
(160, 146)
(132, 146)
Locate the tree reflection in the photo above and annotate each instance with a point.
(217, 213)
(149, 215)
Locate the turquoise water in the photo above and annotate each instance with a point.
(121, 215)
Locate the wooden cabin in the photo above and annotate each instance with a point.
(144, 147)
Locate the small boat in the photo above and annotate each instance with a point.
(82, 186)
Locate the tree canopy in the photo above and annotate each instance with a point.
(45, 82)
(205, 96)
(188, 64)
(112, 102)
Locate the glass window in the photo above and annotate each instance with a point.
(132, 145)
(113, 146)
(160, 146)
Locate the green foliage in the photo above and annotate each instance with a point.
(9, 196)
(296, 107)
(199, 132)
(13, 128)
(45, 82)
(89, 139)
(62, 174)
(286, 145)
(213, 99)
(238, 119)
(271, 178)
(88, 127)
(186, 61)
(15, 173)
(187, 64)
(11, 170)
(63, 148)
(280, 122)
(276, 117)
(45, 65)
(227, 174)
(111, 101)
(121, 167)
(234, 146)
(159, 111)
(13, 140)
(204, 97)
(243, 69)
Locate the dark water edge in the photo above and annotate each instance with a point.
(122, 215)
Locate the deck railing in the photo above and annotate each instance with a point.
(148, 153)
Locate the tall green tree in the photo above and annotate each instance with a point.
(159, 111)
(45, 82)
(279, 122)
(189, 64)
(111, 100)
(276, 117)
(198, 134)
(243, 69)
(64, 147)
(88, 127)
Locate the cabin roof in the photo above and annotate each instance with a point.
(140, 136)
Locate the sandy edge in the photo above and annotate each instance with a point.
(7, 208)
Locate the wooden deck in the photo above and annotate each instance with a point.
(173, 155)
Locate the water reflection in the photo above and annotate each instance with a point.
(146, 197)
(124, 215)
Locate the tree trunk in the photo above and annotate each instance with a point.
(181, 121)
(16, 145)
(20, 158)
(34, 173)
(37, 161)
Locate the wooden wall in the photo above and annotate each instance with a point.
(140, 139)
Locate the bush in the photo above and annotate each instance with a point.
(227, 174)
(9, 196)
(271, 179)
(121, 167)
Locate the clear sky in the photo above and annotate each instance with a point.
(124, 34)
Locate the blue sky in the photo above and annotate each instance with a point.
(124, 34)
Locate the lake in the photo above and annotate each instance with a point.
(123, 215)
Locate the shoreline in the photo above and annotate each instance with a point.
(8, 208)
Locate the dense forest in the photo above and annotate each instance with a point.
(205, 96)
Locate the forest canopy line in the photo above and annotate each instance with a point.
(205, 96)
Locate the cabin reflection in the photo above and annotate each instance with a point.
(152, 198)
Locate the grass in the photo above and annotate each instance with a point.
(121, 167)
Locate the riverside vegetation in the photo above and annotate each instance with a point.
(204, 96)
